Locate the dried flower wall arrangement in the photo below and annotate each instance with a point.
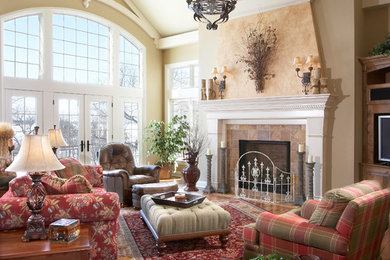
(260, 44)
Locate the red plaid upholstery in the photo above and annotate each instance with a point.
(73, 185)
(72, 167)
(358, 233)
(298, 230)
(308, 208)
(250, 234)
(333, 203)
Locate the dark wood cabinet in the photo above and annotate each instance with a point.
(376, 101)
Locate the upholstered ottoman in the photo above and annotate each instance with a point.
(151, 188)
(169, 223)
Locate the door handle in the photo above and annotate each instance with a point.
(88, 144)
(82, 145)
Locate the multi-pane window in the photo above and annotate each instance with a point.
(129, 64)
(80, 50)
(131, 127)
(24, 117)
(69, 117)
(22, 47)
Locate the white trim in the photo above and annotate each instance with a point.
(255, 7)
(140, 21)
(178, 40)
(374, 3)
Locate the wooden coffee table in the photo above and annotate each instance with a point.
(12, 247)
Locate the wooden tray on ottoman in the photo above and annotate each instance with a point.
(168, 198)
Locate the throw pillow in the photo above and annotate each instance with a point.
(332, 205)
(73, 185)
(20, 186)
(72, 167)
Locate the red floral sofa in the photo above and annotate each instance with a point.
(100, 209)
(348, 223)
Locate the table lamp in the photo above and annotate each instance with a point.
(56, 139)
(35, 156)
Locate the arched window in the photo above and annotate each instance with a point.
(74, 70)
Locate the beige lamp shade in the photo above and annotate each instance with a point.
(56, 138)
(35, 155)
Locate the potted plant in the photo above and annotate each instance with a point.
(167, 141)
(193, 149)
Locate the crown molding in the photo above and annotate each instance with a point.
(178, 40)
(134, 14)
(374, 3)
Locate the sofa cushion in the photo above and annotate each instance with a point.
(73, 185)
(333, 203)
(20, 186)
(72, 167)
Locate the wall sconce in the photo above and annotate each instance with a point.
(222, 83)
(306, 76)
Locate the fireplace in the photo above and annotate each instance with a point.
(297, 119)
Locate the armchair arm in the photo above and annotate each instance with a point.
(298, 230)
(119, 173)
(88, 207)
(308, 208)
(95, 174)
(151, 170)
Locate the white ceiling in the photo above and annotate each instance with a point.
(172, 17)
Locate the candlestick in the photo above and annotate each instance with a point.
(300, 148)
(309, 180)
(209, 151)
(209, 188)
(223, 188)
(300, 197)
(223, 144)
(310, 159)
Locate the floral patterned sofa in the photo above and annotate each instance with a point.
(100, 209)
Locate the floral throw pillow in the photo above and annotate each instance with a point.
(20, 186)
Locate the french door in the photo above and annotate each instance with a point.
(85, 120)
(86, 124)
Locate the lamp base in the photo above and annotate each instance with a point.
(35, 228)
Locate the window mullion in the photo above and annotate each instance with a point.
(46, 46)
(114, 57)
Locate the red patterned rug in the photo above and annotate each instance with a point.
(142, 243)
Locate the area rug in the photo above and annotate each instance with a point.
(135, 241)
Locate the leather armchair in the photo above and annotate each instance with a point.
(120, 172)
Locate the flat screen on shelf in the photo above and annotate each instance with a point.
(384, 138)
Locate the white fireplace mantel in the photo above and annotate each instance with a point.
(309, 110)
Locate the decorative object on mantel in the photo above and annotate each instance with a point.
(35, 156)
(193, 148)
(324, 86)
(223, 188)
(309, 180)
(306, 76)
(382, 48)
(210, 90)
(300, 196)
(203, 90)
(222, 83)
(56, 139)
(260, 45)
(209, 188)
(6, 146)
(215, 7)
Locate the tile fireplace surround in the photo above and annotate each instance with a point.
(302, 119)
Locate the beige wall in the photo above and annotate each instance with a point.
(154, 73)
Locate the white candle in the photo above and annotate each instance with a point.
(300, 148)
(310, 159)
(209, 151)
(223, 144)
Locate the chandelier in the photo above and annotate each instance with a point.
(211, 7)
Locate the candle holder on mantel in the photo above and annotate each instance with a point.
(309, 180)
(209, 188)
(223, 188)
(300, 197)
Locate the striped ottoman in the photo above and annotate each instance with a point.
(169, 223)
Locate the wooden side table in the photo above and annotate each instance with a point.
(12, 247)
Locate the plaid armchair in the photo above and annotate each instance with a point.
(356, 233)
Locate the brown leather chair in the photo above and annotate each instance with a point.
(120, 172)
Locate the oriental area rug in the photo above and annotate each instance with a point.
(135, 241)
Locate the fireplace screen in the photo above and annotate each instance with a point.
(259, 176)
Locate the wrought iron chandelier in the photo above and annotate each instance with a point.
(211, 7)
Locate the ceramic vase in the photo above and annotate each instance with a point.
(191, 175)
